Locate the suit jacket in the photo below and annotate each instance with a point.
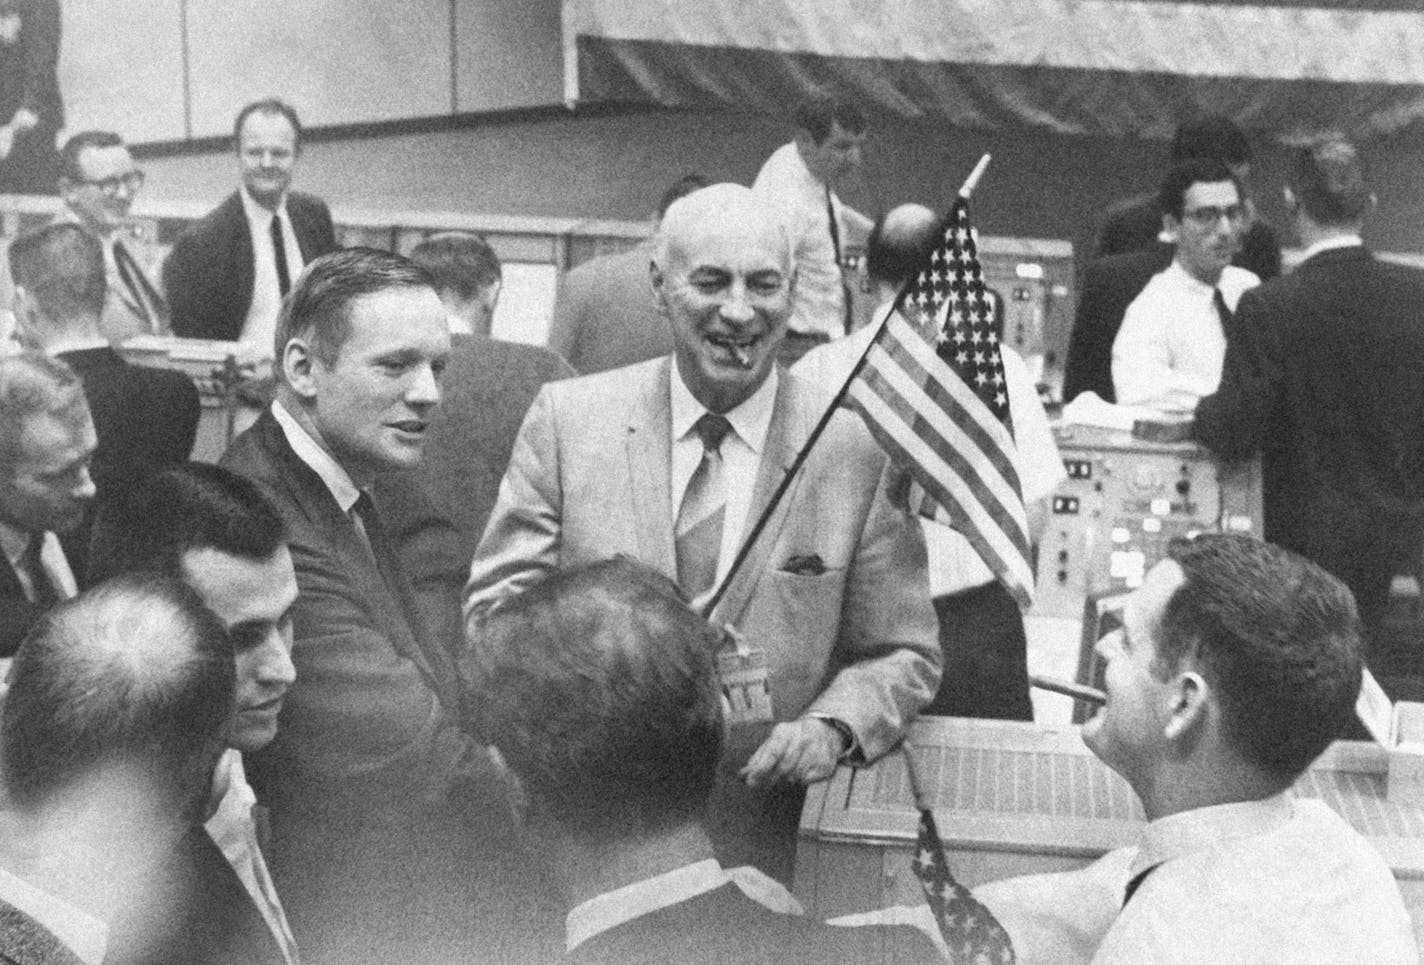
(23, 941)
(359, 778)
(146, 420)
(1324, 376)
(199, 914)
(724, 926)
(1133, 225)
(1109, 285)
(208, 274)
(605, 316)
(17, 614)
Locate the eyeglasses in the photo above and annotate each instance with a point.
(110, 186)
(1209, 216)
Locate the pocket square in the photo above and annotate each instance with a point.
(805, 564)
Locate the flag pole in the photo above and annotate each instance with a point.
(745, 549)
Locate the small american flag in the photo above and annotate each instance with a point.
(932, 390)
(972, 933)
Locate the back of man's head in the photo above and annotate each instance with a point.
(69, 155)
(195, 506)
(1277, 640)
(135, 674)
(1171, 196)
(821, 108)
(461, 263)
(61, 267)
(1329, 181)
(900, 244)
(599, 689)
(1213, 136)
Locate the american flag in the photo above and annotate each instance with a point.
(932, 390)
(972, 933)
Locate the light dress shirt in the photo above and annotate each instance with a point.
(954, 565)
(1169, 351)
(1280, 880)
(818, 301)
(234, 831)
(1330, 244)
(80, 932)
(309, 451)
(52, 561)
(260, 327)
(741, 455)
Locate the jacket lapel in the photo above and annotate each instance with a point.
(649, 461)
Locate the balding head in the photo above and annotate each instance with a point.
(721, 210)
(899, 244)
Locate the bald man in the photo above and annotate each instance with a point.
(637, 461)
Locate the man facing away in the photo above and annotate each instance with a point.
(598, 687)
(215, 531)
(117, 707)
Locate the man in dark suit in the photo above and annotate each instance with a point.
(146, 418)
(599, 689)
(227, 274)
(1109, 285)
(215, 531)
(117, 708)
(47, 442)
(368, 850)
(1324, 376)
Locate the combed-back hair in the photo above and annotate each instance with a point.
(1171, 197)
(1212, 136)
(78, 144)
(1329, 180)
(268, 105)
(62, 267)
(459, 261)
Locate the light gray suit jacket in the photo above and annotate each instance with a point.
(590, 477)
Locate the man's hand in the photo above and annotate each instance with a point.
(801, 751)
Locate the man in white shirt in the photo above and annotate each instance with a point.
(215, 531)
(981, 628)
(47, 442)
(115, 714)
(1169, 350)
(802, 177)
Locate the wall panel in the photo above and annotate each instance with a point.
(506, 54)
(121, 67)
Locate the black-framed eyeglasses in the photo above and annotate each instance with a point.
(110, 186)
(1208, 216)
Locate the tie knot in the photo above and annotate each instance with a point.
(712, 429)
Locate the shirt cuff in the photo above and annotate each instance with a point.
(852, 746)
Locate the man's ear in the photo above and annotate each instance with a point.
(1171, 227)
(1190, 696)
(298, 365)
(659, 280)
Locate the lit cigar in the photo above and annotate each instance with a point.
(1088, 695)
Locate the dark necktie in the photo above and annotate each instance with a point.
(279, 249)
(698, 532)
(40, 587)
(143, 296)
(1141, 876)
(847, 318)
(1222, 312)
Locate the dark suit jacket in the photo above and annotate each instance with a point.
(23, 941)
(17, 614)
(1109, 286)
(199, 914)
(208, 274)
(146, 420)
(358, 779)
(1133, 225)
(1324, 375)
(725, 927)
(605, 317)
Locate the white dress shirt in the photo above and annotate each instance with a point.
(309, 451)
(1169, 351)
(82, 933)
(741, 455)
(260, 327)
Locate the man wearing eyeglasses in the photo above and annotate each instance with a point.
(1168, 353)
(98, 183)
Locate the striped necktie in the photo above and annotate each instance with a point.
(698, 531)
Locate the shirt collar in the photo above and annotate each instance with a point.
(77, 930)
(613, 908)
(1181, 276)
(1332, 243)
(750, 420)
(309, 451)
(259, 215)
(1190, 831)
(231, 798)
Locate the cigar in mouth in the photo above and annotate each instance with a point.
(1088, 695)
(740, 354)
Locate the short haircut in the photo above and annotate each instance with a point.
(598, 687)
(195, 506)
(318, 308)
(32, 384)
(62, 267)
(822, 108)
(1212, 136)
(1329, 180)
(896, 252)
(1277, 639)
(1173, 193)
(268, 105)
(78, 144)
(680, 188)
(136, 672)
(459, 262)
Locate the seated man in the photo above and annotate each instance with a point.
(1238, 663)
(599, 689)
(216, 532)
(116, 712)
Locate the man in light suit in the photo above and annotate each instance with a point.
(361, 777)
(833, 594)
(228, 273)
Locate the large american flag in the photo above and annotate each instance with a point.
(932, 390)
